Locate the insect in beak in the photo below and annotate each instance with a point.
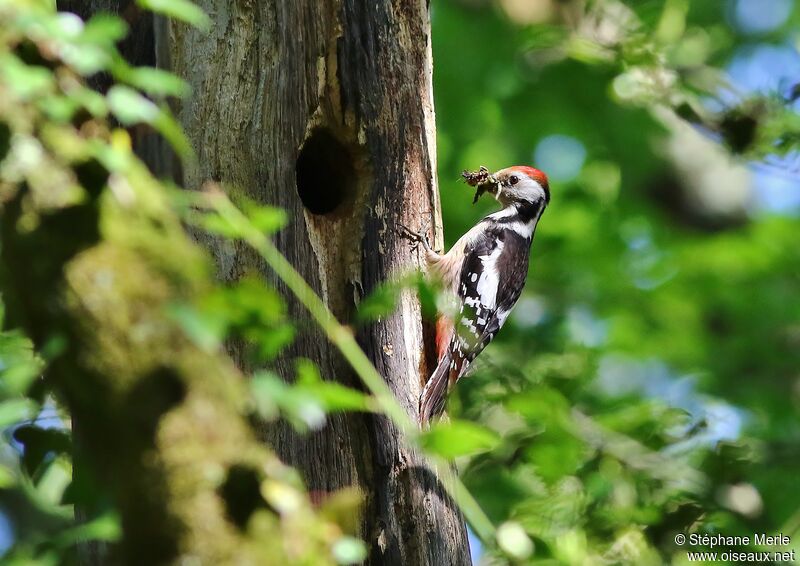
(484, 181)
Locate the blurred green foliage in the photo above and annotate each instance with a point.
(61, 147)
(647, 383)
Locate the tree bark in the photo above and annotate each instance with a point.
(325, 109)
(163, 422)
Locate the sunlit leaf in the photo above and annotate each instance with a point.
(130, 107)
(333, 396)
(349, 550)
(106, 527)
(274, 397)
(267, 389)
(336, 397)
(271, 341)
(105, 29)
(92, 101)
(19, 366)
(217, 224)
(16, 410)
(85, 58)
(26, 81)
(268, 219)
(380, 303)
(7, 478)
(281, 496)
(183, 10)
(54, 480)
(458, 438)
(203, 328)
(59, 108)
(514, 541)
(156, 82)
(168, 127)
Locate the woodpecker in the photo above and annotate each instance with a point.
(485, 273)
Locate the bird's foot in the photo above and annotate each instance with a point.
(416, 238)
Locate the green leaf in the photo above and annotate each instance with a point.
(19, 365)
(92, 101)
(155, 82)
(216, 224)
(267, 388)
(349, 550)
(178, 9)
(272, 395)
(58, 108)
(458, 438)
(130, 107)
(168, 127)
(86, 59)
(272, 340)
(336, 397)
(429, 293)
(514, 541)
(104, 29)
(54, 480)
(7, 478)
(268, 219)
(106, 527)
(331, 395)
(203, 328)
(379, 303)
(26, 81)
(15, 411)
(307, 372)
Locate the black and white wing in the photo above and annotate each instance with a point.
(490, 283)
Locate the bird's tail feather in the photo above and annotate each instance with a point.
(434, 394)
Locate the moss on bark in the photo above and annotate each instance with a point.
(162, 422)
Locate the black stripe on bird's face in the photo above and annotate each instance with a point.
(524, 212)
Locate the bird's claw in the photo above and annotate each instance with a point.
(416, 238)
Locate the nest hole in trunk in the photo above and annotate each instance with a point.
(326, 173)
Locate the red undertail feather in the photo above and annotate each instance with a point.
(434, 394)
(444, 331)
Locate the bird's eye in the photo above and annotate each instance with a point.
(513, 179)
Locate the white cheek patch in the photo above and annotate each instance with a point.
(531, 191)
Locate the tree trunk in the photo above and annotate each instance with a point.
(325, 109)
